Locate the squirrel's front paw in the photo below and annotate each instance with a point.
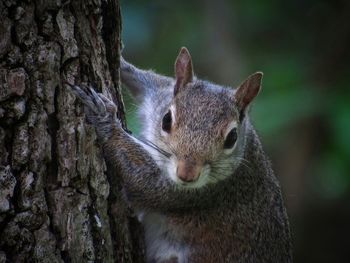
(100, 111)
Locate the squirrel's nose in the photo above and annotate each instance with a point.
(188, 170)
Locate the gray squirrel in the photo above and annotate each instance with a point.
(197, 176)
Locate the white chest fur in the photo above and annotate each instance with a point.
(163, 241)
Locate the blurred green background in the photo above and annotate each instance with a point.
(303, 111)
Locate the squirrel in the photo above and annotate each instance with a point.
(197, 176)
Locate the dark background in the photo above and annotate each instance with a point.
(303, 111)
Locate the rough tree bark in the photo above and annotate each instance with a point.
(59, 200)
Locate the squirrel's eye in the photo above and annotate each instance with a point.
(231, 139)
(166, 122)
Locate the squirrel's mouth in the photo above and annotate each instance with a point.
(188, 170)
(197, 180)
(187, 175)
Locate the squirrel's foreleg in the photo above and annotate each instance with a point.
(145, 185)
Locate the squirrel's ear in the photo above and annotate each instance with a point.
(183, 69)
(247, 91)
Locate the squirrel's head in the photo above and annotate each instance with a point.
(203, 126)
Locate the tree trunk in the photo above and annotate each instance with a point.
(59, 200)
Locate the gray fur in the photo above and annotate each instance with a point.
(237, 216)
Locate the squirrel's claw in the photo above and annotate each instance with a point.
(96, 102)
(110, 105)
(100, 111)
(83, 95)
